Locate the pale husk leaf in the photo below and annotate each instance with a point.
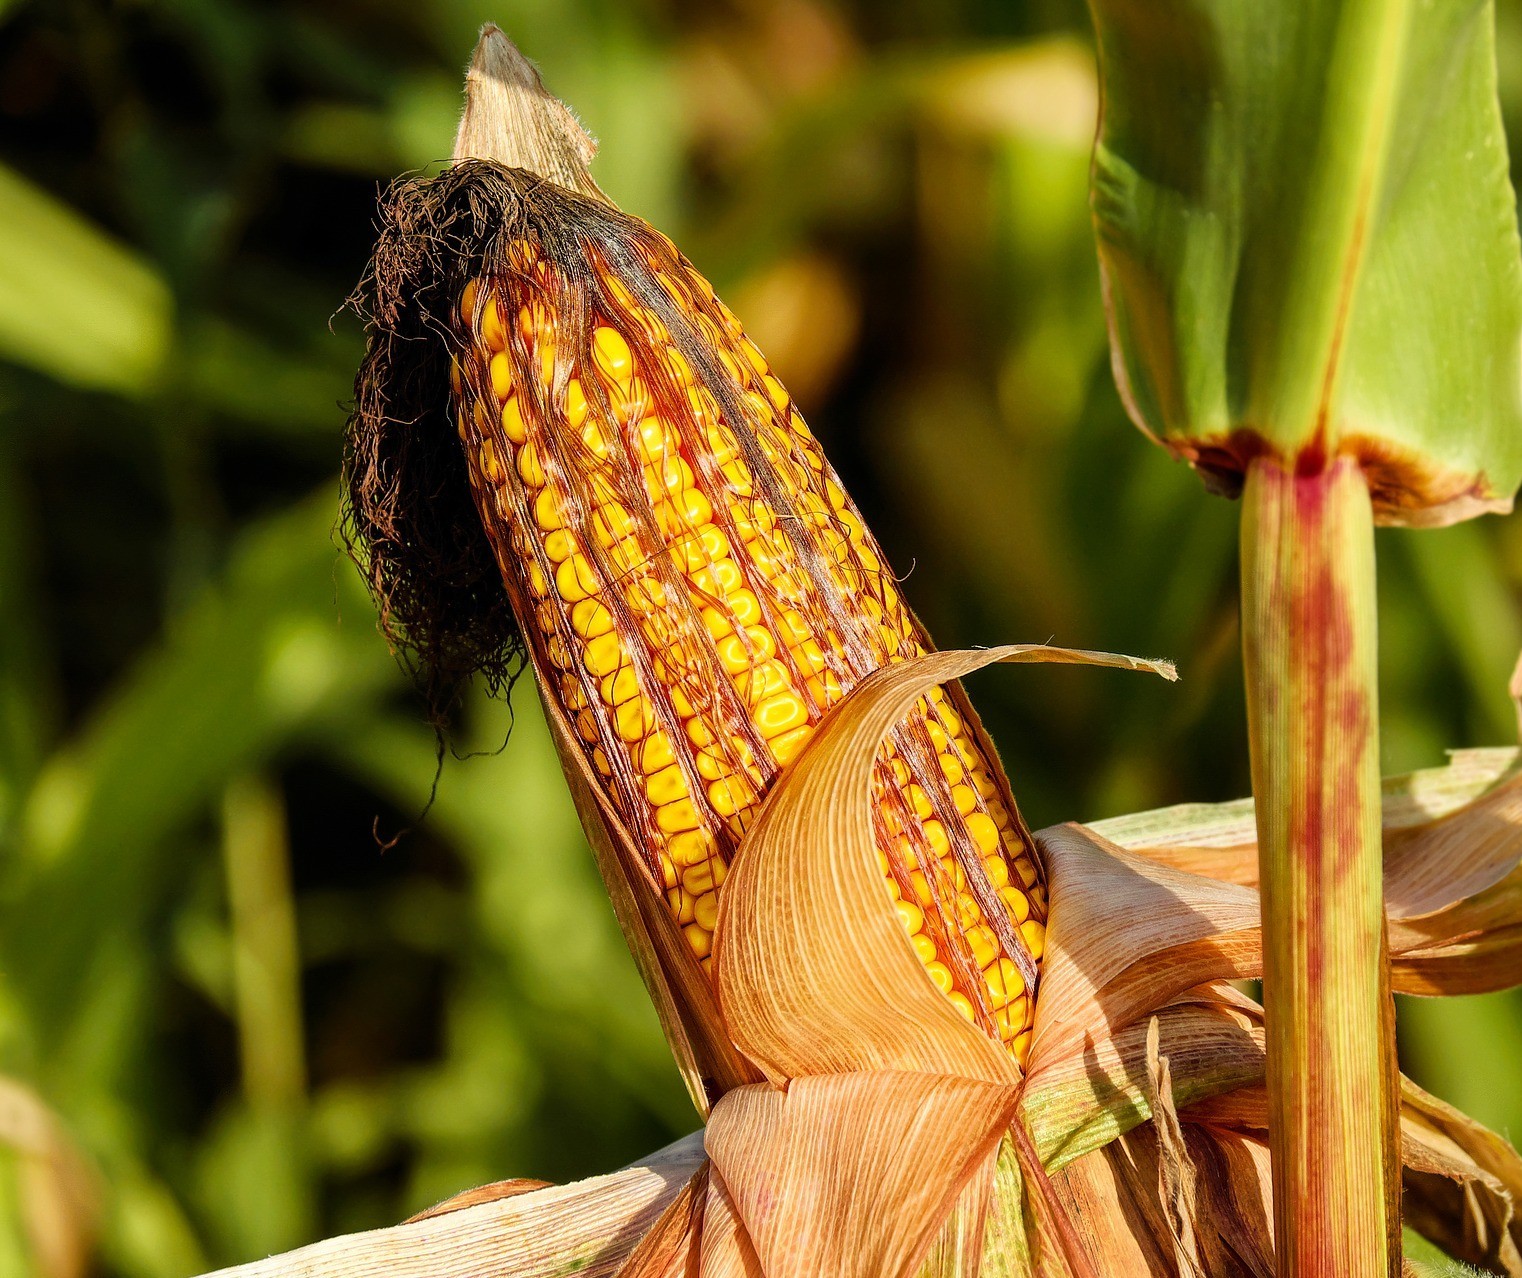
(588, 1228)
(1126, 934)
(726, 1248)
(57, 1188)
(854, 1174)
(804, 913)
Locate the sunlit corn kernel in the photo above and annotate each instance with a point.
(959, 1001)
(982, 782)
(676, 365)
(911, 916)
(680, 904)
(538, 586)
(965, 798)
(703, 407)
(968, 912)
(1022, 1048)
(997, 869)
(634, 719)
(632, 401)
(645, 594)
(765, 679)
(744, 607)
(1004, 982)
(491, 469)
(918, 800)
(1016, 903)
(468, 303)
(719, 578)
(655, 753)
(705, 910)
(559, 546)
(1012, 1019)
(530, 469)
(984, 944)
(602, 655)
(1033, 933)
(666, 786)
(920, 886)
(501, 370)
(699, 940)
(826, 688)
(941, 975)
(611, 524)
(586, 727)
(984, 833)
(937, 838)
(620, 688)
(590, 618)
(576, 406)
(779, 714)
(924, 947)
(670, 474)
(611, 353)
(655, 440)
(676, 816)
(739, 652)
(683, 511)
(704, 877)
(729, 795)
(692, 847)
(547, 511)
(493, 331)
(600, 762)
(787, 746)
(576, 580)
(668, 871)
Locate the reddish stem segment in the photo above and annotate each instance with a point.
(1309, 644)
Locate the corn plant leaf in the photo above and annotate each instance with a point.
(854, 1174)
(590, 1228)
(803, 914)
(74, 304)
(1308, 241)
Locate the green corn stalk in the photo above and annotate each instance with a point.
(1309, 246)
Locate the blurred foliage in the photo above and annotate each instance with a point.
(242, 1017)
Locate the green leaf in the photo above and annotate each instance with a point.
(1309, 241)
(74, 303)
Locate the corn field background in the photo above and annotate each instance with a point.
(254, 1025)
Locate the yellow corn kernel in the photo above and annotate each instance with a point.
(1016, 903)
(786, 747)
(960, 1002)
(924, 947)
(513, 425)
(501, 370)
(1004, 982)
(779, 714)
(699, 940)
(983, 943)
(634, 720)
(666, 786)
(704, 877)
(692, 847)
(941, 975)
(576, 580)
(493, 333)
(911, 916)
(676, 816)
(612, 353)
(985, 834)
(1033, 933)
(705, 910)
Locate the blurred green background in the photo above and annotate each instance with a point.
(230, 1023)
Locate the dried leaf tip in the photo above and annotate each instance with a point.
(512, 119)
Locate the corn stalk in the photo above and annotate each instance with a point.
(1309, 247)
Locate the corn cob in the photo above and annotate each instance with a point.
(697, 590)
